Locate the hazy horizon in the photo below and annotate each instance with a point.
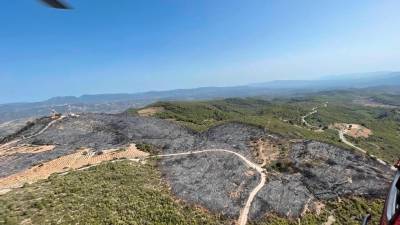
(130, 47)
(322, 78)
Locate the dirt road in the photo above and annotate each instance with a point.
(243, 217)
(46, 127)
(33, 135)
(341, 136)
(244, 213)
(313, 111)
(344, 140)
(303, 118)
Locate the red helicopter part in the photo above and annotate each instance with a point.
(391, 210)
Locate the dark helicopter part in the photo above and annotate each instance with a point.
(58, 4)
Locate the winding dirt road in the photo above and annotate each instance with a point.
(345, 141)
(303, 118)
(33, 135)
(313, 111)
(243, 217)
(244, 213)
(342, 137)
(46, 127)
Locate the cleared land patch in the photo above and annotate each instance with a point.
(353, 130)
(150, 111)
(83, 157)
(265, 150)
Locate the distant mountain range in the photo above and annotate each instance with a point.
(341, 81)
(114, 103)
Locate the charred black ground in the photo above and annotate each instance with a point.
(218, 181)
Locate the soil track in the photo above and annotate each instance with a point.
(354, 130)
(313, 111)
(245, 210)
(46, 127)
(344, 140)
(303, 118)
(85, 157)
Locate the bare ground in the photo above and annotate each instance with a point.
(82, 157)
(266, 150)
(150, 111)
(353, 130)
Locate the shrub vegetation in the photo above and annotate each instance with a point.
(111, 193)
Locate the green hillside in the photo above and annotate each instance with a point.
(283, 116)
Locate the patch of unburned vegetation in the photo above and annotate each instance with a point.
(278, 116)
(283, 116)
(111, 193)
(152, 150)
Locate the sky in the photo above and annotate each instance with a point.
(128, 46)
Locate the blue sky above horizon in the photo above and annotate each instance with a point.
(129, 46)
